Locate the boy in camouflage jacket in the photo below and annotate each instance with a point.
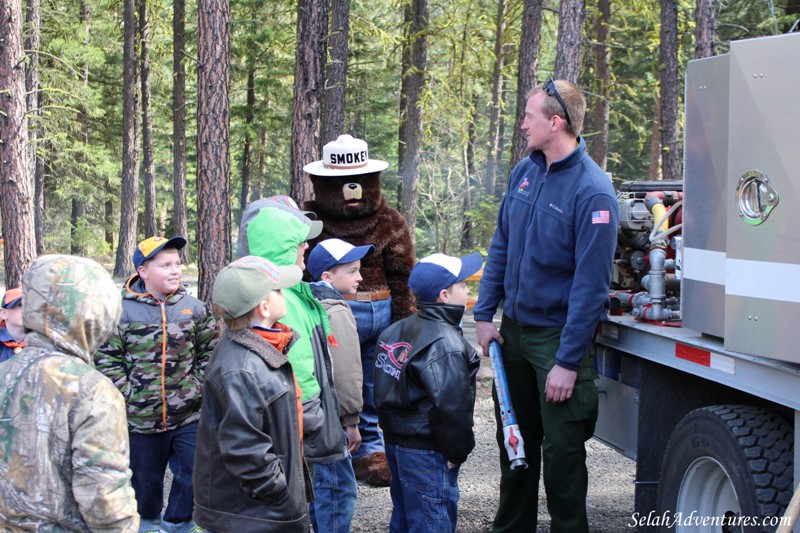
(63, 436)
(157, 357)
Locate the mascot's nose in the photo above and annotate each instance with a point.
(351, 191)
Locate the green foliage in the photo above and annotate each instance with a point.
(456, 100)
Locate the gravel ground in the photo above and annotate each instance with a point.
(611, 477)
(610, 497)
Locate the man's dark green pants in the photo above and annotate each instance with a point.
(553, 432)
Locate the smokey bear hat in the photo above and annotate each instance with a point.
(346, 156)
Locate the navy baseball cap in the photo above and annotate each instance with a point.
(331, 252)
(11, 298)
(148, 248)
(437, 272)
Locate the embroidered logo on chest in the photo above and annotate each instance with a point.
(523, 188)
(392, 358)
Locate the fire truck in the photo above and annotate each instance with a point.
(700, 360)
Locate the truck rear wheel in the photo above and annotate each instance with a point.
(727, 466)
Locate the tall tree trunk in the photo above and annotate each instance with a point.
(668, 63)
(570, 36)
(467, 235)
(526, 73)
(415, 52)
(500, 178)
(16, 202)
(33, 20)
(148, 175)
(497, 103)
(129, 198)
(312, 26)
(108, 215)
(247, 152)
(333, 98)
(654, 172)
(263, 143)
(213, 139)
(598, 148)
(180, 224)
(705, 29)
(76, 247)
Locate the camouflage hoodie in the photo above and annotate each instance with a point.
(63, 436)
(157, 357)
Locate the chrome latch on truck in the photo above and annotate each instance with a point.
(756, 197)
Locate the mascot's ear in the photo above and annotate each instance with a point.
(351, 191)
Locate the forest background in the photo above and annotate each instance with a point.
(167, 117)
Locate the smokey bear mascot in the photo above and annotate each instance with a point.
(347, 186)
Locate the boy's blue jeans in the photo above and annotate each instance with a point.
(424, 491)
(371, 319)
(150, 454)
(335, 496)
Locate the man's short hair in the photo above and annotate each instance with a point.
(573, 100)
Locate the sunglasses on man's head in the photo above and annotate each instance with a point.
(550, 88)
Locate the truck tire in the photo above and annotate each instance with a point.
(733, 461)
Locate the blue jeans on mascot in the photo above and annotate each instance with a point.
(371, 319)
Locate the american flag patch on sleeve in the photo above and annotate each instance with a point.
(600, 217)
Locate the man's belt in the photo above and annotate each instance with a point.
(369, 296)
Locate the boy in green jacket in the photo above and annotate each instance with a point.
(275, 229)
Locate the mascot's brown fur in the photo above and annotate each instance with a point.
(351, 209)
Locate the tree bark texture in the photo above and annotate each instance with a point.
(129, 198)
(213, 138)
(180, 224)
(247, 152)
(333, 98)
(570, 36)
(312, 27)
(33, 20)
(148, 164)
(497, 103)
(668, 64)
(468, 154)
(415, 52)
(654, 172)
(705, 29)
(501, 178)
(526, 73)
(16, 202)
(598, 148)
(78, 207)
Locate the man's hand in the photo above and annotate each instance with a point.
(353, 438)
(559, 385)
(485, 332)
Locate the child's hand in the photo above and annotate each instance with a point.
(353, 438)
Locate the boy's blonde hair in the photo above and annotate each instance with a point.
(235, 324)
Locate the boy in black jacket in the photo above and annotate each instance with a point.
(425, 395)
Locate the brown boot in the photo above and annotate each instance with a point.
(373, 469)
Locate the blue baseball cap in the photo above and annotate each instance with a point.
(437, 272)
(331, 252)
(11, 298)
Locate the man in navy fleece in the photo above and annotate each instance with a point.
(550, 264)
